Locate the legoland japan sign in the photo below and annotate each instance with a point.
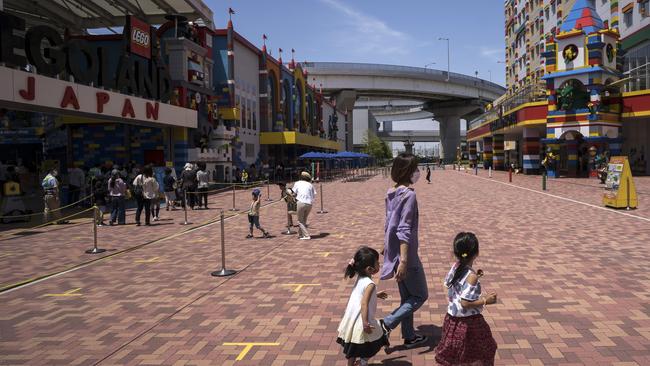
(88, 63)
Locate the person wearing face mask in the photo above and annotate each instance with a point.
(51, 197)
(401, 259)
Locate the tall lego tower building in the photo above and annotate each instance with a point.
(584, 104)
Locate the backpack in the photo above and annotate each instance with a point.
(290, 198)
(137, 188)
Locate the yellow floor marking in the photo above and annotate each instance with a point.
(72, 292)
(151, 260)
(326, 254)
(298, 286)
(247, 347)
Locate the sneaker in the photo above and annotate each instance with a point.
(156, 218)
(249, 236)
(266, 235)
(384, 327)
(418, 340)
(305, 238)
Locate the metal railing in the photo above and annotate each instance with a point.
(531, 93)
(637, 78)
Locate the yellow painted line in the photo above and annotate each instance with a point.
(73, 292)
(151, 260)
(327, 254)
(247, 347)
(298, 286)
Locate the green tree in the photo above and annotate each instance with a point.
(376, 148)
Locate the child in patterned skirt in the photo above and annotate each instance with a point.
(359, 332)
(466, 337)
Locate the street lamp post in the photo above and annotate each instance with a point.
(429, 64)
(448, 64)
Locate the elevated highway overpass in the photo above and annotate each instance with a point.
(412, 135)
(445, 97)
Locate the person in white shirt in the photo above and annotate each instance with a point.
(146, 188)
(76, 179)
(305, 194)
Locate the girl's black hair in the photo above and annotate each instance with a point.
(364, 257)
(465, 248)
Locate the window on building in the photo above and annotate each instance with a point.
(250, 150)
(627, 18)
(643, 8)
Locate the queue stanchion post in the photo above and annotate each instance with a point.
(544, 181)
(510, 174)
(233, 199)
(95, 249)
(223, 272)
(322, 210)
(185, 207)
(268, 191)
(490, 171)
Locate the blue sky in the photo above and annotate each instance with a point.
(377, 31)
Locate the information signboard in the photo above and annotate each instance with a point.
(619, 185)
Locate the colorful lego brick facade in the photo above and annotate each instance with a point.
(531, 150)
(118, 143)
(487, 152)
(498, 153)
(472, 152)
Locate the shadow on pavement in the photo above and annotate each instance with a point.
(320, 236)
(434, 333)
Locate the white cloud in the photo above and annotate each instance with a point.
(492, 53)
(367, 35)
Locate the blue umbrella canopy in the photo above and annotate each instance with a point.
(316, 155)
(310, 155)
(346, 155)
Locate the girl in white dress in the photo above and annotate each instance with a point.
(359, 332)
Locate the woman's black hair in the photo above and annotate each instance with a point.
(168, 171)
(404, 165)
(114, 177)
(363, 258)
(465, 249)
(147, 171)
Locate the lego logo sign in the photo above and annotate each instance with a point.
(139, 37)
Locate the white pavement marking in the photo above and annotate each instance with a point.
(565, 199)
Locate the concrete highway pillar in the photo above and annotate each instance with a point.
(449, 137)
(408, 145)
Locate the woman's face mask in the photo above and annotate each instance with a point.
(415, 176)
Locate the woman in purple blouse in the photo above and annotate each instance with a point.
(401, 258)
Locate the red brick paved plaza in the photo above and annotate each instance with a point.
(572, 280)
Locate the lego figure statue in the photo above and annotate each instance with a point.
(549, 163)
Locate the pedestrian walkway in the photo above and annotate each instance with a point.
(571, 279)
